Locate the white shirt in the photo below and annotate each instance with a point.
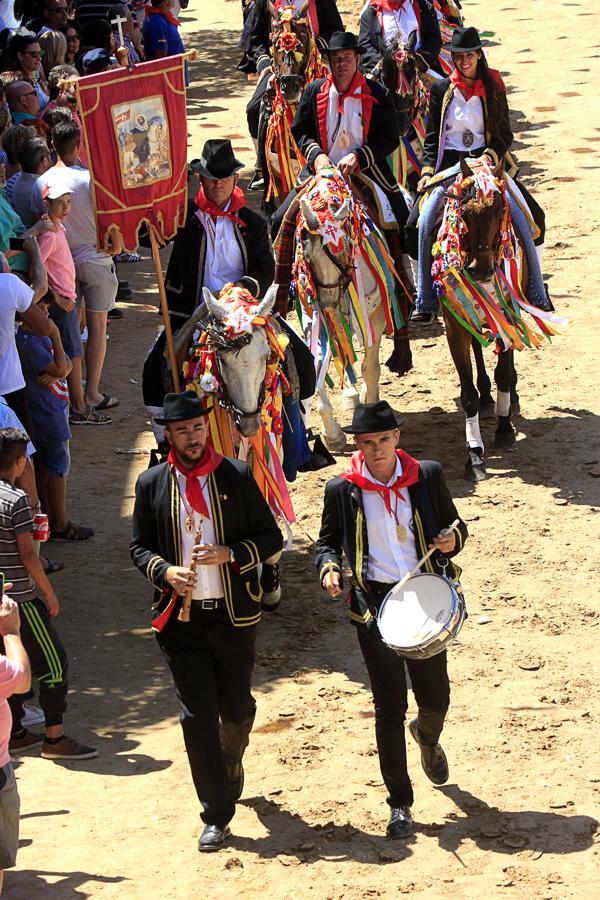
(209, 584)
(15, 296)
(80, 224)
(460, 115)
(388, 560)
(399, 23)
(347, 129)
(224, 261)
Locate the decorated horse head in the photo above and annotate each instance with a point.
(296, 59)
(474, 227)
(399, 70)
(236, 357)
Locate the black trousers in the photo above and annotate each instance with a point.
(253, 107)
(49, 664)
(212, 664)
(431, 688)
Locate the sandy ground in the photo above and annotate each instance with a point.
(518, 817)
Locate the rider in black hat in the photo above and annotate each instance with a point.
(468, 117)
(384, 513)
(200, 524)
(385, 21)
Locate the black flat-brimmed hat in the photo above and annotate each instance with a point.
(342, 40)
(371, 418)
(179, 407)
(217, 160)
(465, 40)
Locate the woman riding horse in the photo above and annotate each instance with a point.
(468, 116)
(384, 21)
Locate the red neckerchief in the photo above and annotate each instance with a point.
(389, 5)
(312, 13)
(477, 89)
(207, 463)
(365, 96)
(155, 11)
(410, 475)
(356, 89)
(237, 201)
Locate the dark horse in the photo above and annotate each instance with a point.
(296, 60)
(401, 69)
(480, 225)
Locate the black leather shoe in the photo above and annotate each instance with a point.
(401, 823)
(433, 759)
(422, 318)
(236, 782)
(213, 838)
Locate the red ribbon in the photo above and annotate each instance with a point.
(207, 463)
(237, 201)
(155, 11)
(410, 475)
(389, 5)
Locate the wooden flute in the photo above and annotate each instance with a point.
(186, 603)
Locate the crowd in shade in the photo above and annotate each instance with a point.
(58, 296)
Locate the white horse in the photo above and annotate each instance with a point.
(334, 267)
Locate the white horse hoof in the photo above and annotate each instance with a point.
(271, 601)
(349, 399)
(335, 443)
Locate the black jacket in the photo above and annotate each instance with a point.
(344, 531)
(258, 51)
(185, 272)
(242, 521)
(440, 95)
(372, 43)
(382, 138)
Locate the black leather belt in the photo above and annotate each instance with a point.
(210, 603)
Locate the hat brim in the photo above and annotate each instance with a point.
(326, 51)
(480, 46)
(199, 168)
(203, 412)
(349, 429)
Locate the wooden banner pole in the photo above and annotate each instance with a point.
(164, 309)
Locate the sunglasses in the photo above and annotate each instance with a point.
(72, 38)
(29, 94)
(37, 54)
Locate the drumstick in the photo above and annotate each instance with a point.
(186, 603)
(423, 559)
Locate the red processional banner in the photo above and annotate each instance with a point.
(135, 130)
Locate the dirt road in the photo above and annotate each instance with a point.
(518, 817)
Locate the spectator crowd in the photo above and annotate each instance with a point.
(57, 298)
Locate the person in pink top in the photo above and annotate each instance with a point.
(57, 258)
(15, 678)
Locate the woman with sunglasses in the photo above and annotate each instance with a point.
(73, 36)
(24, 54)
(468, 117)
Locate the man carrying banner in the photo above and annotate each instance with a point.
(201, 528)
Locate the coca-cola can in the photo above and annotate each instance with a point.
(41, 529)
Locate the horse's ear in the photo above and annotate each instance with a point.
(265, 307)
(499, 169)
(411, 41)
(304, 9)
(271, 8)
(343, 212)
(464, 168)
(310, 218)
(215, 309)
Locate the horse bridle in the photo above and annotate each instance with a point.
(343, 281)
(238, 414)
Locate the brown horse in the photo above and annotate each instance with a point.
(481, 221)
(296, 61)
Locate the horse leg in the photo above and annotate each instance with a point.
(505, 437)
(350, 397)
(371, 368)
(515, 404)
(484, 384)
(459, 342)
(333, 436)
(269, 582)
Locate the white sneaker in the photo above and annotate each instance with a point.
(33, 716)
(84, 335)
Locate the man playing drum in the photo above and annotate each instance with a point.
(385, 512)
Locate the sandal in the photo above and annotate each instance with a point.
(72, 533)
(88, 417)
(51, 566)
(107, 402)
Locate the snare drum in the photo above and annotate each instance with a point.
(420, 618)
